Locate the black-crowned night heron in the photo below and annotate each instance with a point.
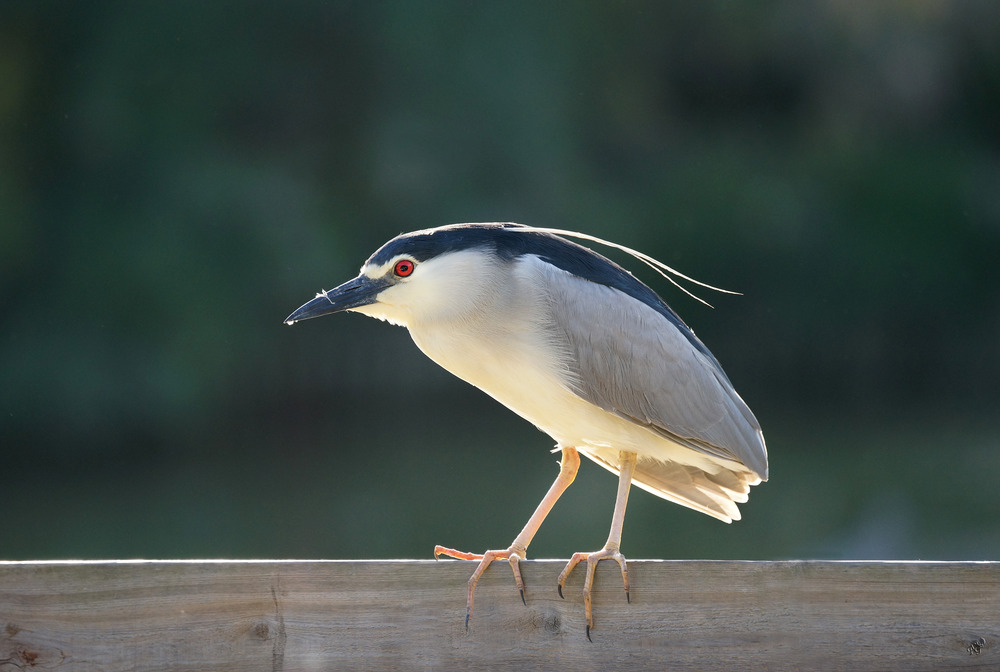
(576, 345)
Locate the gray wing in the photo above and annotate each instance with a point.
(632, 361)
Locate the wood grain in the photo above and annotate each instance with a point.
(409, 615)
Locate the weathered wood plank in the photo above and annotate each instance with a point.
(401, 615)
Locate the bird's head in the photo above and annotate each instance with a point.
(436, 274)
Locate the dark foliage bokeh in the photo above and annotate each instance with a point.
(177, 177)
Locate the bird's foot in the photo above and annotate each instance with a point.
(609, 552)
(512, 555)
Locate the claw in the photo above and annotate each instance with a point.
(606, 553)
(452, 553)
(564, 574)
(512, 555)
(514, 558)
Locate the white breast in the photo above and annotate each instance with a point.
(505, 345)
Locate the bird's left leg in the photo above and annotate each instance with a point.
(517, 551)
(610, 551)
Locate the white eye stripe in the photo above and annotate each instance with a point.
(375, 271)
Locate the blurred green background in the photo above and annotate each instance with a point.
(177, 177)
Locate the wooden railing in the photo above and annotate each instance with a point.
(404, 615)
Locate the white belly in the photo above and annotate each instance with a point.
(511, 370)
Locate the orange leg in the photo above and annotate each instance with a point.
(568, 467)
(610, 550)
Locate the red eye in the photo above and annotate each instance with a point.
(403, 268)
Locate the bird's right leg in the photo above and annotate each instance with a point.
(626, 469)
(517, 551)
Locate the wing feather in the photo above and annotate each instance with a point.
(632, 361)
